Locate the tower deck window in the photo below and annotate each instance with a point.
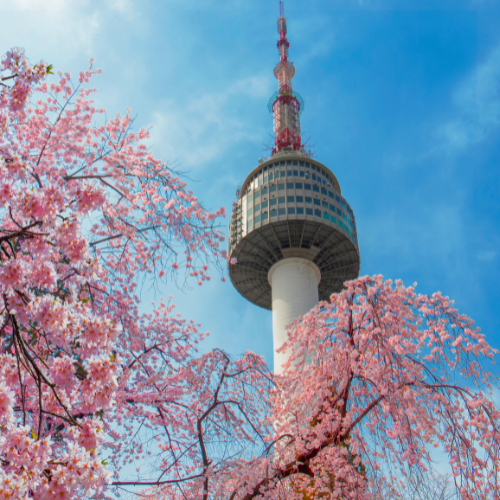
(281, 199)
(315, 188)
(291, 210)
(281, 186)
(290, 199)
(273, 201)
(300, 199)
(298, 185)
(281, 211)
(307, 187)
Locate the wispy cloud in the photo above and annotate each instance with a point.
(396, 236)
(67, 27)
(436, 242)
(477, 101)
(310, 37)
(37, 5)
(201, 128)
(120, 5)
(487, 255)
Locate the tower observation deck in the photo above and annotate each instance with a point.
(292, 234)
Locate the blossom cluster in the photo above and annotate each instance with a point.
(84, 209)
(15, 97)
(30, 471)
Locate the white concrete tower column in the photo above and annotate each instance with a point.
(294, 282)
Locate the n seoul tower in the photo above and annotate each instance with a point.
(292, 235)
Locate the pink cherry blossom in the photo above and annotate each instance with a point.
(93, 388)
(6, 404)
(85, 208)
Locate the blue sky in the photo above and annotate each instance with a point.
(402, 104)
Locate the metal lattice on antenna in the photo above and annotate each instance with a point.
(286, 105)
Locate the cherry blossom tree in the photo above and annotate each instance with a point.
(379, 376)
(86, 211)
(99, 398)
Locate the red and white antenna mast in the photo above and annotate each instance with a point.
(286, 105)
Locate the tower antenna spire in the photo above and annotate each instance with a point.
(286, 105)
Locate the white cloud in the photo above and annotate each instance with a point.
(205, 125)
(396, 236)
(434, 244)
(125, 7)
(54, 27)
(477, 102)
(487, 255)
(120, 5)
(45, 5)
(310, 37)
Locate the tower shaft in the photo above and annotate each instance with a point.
(294, 282)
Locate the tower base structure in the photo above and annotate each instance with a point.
(294, 282)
